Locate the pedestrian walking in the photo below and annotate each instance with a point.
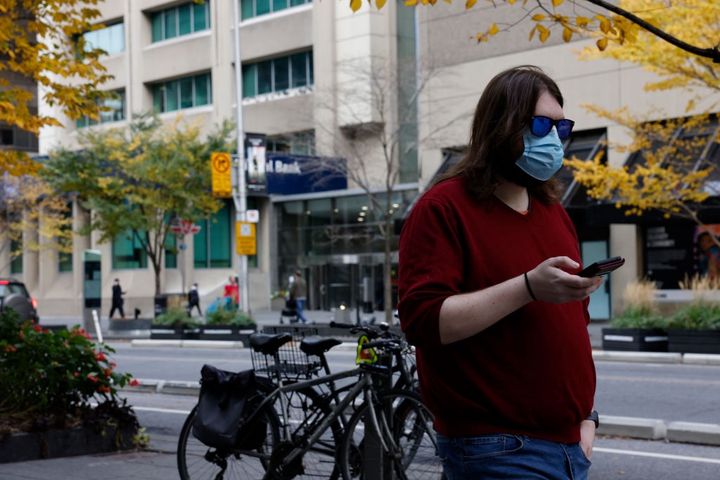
(117, 299)
(232, 291)
(298, 294)
(193, 300)
(490, 297)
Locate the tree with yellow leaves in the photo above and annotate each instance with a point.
(674, 156)
(619, 23)
(32, 218)
(41, 44)
(136, 181)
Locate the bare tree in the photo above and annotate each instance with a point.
(378, 128)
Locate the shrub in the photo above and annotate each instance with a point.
(173, 316)
(639, 318)
(54, 379)
(640, 307)
(227, 317)
(698, 315)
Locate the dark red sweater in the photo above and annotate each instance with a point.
(532, 372)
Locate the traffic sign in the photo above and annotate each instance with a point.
(252, 216)
(184, 227)
(220, 164)
(245, 242)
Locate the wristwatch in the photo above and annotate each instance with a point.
(595, 418)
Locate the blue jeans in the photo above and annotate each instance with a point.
(495, 457)
(299, 307)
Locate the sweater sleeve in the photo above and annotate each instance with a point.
(430, 270)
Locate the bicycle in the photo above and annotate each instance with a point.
(281, 454)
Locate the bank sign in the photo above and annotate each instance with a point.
(285, 174)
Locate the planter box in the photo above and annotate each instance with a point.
(172, 332)
(225, 332)
(635, 339)
(20, 447)
(694, 341)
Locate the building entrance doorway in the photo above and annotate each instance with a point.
(354, 285)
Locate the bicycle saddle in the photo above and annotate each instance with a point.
(268, 344)
(317, 345)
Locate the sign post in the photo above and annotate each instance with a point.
(239, 193)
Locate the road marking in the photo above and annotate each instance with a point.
(662, 380)
(657, 455)
(161, 410)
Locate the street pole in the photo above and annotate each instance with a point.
(239, 192)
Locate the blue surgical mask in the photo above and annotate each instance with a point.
(543, 156)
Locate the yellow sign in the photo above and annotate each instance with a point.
(220, 164)
(367, 356)
(245, 242)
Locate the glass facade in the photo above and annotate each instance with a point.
(407, 93)
(111, 39)
(339, 242)
(113, 111)
(212, 244)
(278, 74)
(127, 252)
(180, 20)
(299, 143)
(187, 92)
(256, 8)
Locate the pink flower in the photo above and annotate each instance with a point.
(134, 382)
(100, 357)
(92, 378)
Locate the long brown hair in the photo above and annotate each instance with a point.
(501, 116)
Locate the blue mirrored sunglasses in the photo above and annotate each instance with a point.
(541, 126)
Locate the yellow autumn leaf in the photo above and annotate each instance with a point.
(557, 3)
(532, 32)
(582, 21)
(493, 30)
(544, 33)
(511, 2)
(567, 34)
(538, 17)
(602, 44)
(355, 5)
(380, 4)
(469, 4)
(411, 3)
(604, 24)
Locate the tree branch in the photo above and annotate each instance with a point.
(712, 53)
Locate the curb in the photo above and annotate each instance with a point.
(214, 344)
(631, 427)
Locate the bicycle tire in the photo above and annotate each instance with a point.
(411, 425)
(305, 408)
(197, 461)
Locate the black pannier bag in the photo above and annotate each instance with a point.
(227, 400)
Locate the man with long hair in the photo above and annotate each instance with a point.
(490, 297)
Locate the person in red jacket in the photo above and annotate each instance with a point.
(490, 297)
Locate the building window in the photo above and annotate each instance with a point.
(278, 74)
(187, 92)
(16, 264)
(65, 261)
(212, 244)
(128, 252)
(111, 39)
(181, 20)
(113, 111)
(255, 8)
(298, 143)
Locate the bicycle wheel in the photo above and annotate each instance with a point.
(410, 423)
(197, 461)
(305, 409)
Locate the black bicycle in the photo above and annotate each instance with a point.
(396, 418)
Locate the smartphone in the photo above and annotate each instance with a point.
(602, 267)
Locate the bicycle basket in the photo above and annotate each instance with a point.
(226, 402)
(290, 363)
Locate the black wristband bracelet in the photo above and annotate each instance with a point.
(527, 284)
(595, 418)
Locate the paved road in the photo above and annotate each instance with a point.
(671, 392)
(163, 415)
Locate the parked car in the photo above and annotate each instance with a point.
(13, 294)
